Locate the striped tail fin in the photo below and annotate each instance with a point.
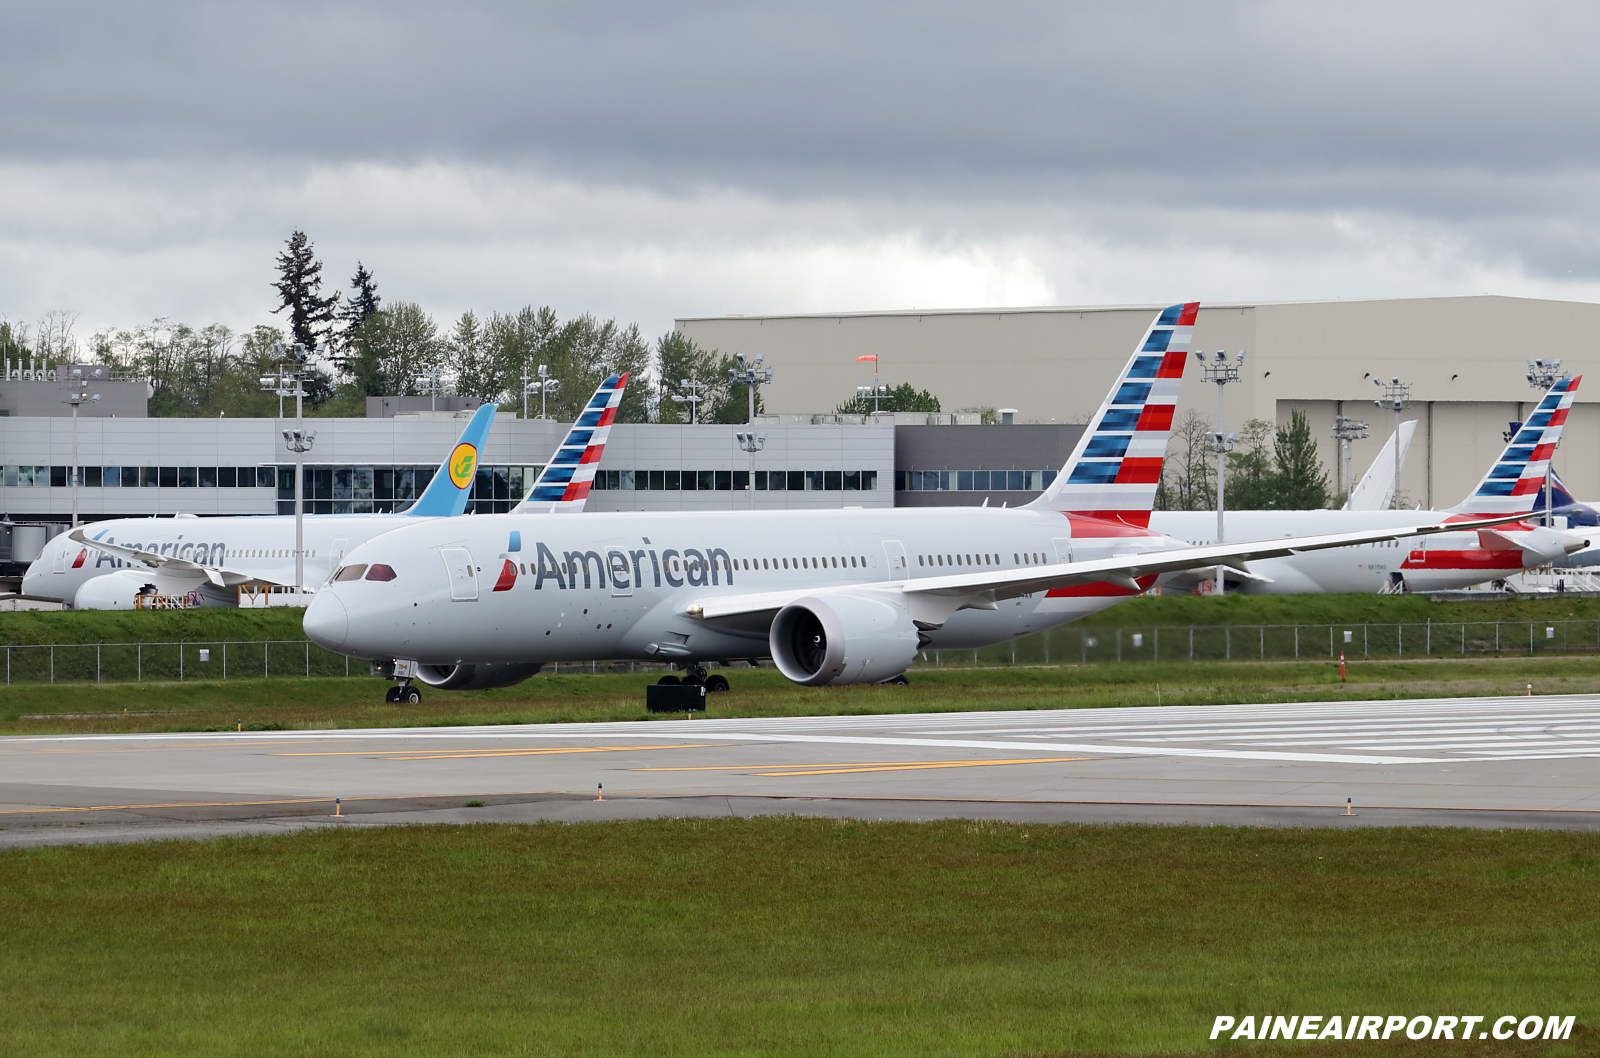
(1114, 471)
(564, 484)
(1514, 481)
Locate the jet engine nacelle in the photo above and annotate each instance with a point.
(842, 638)
(115, 591)
(474, 677)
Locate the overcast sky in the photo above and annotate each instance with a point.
(655, 160)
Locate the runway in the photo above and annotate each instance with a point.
(1486, 762)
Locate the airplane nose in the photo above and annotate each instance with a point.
(326, 621)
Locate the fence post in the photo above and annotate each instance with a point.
(1263, 630)
(1083, 647)
(1297, 642)
(1530, 639)
(1463, 639)
(52, 663)
(224, 659)
(1427, 643)
(1399, 639)
(8, 664)
(1497, 637)
(1364, 652)
(180, 661)
(1047, 646)
(1155, 645)
(96, 656)
(1119, 644)
(308, 658)
(1227, 642)
(1330, 641)
(138, 663)
(266, 654)
(1191, 642)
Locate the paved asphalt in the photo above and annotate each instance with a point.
(1480, 762)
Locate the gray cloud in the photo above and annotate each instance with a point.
(649, 160)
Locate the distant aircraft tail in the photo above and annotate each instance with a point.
(564, 484)
(1577, 513)
(1376, 488)
(1511, 485)
(446, 494)
(1114, 471)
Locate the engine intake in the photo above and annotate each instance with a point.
(842, 638)
(474, 677)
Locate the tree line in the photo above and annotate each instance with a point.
(1271, 468)
(359, 345)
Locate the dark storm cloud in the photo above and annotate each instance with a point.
(1245, 103)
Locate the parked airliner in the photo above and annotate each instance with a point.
(845, 596)
(1454, 560)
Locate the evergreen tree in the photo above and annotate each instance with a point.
(361, 304)
(1300, 482)
(299, 287)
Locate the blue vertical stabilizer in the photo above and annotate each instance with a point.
(446, 494)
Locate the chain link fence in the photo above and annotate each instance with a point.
(137, 662)
(1074, 644)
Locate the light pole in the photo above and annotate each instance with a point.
(298, 441)
(432, 384)
(1345, 430)
(875, 391)
(80, 396)
(752, 442)
(542, 385)
(1396, 395)
(1221, 371)
(1542, 374)
(693, 399)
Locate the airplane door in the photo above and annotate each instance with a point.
(1063, 549)
(463, 576)
(895, 552)
(620, 572)
(336, 553)
(61, 558)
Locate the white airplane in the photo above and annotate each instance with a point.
(212, 557)
(1458, 559)
(846, 596)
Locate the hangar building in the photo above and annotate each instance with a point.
(1464, 357)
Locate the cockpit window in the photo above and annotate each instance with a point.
(379, 571)
(350, 572)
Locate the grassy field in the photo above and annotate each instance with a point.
(788, 937)
(31, 627)
(358, 701)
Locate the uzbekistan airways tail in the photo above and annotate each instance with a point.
(105, 566)
(838, 596)
(1455, 559)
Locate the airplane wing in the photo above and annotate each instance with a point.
(933, 599)
(564, 484)
(177, 567)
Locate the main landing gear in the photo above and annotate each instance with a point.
(695, 674)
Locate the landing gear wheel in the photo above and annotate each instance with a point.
(716, 684)
(899, 680)
(668, 681)
(411, 696)
(392, 695)
(694, 674)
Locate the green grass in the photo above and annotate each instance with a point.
(123, 626)
(786, 937)
(358, 701)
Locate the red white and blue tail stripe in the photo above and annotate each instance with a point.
(1513, 483)
(564, 484)
(1114, 471)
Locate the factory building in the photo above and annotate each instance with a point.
(1463, 357)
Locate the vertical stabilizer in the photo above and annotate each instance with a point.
(1511, 484)
(446, 494)
(564, 484)
(1114, 471)
(1375, 490)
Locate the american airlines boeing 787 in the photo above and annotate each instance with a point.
(846, 596)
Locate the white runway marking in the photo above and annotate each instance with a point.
(1389, 732)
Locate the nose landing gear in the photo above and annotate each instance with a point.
(403, 694)
(401, 672)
